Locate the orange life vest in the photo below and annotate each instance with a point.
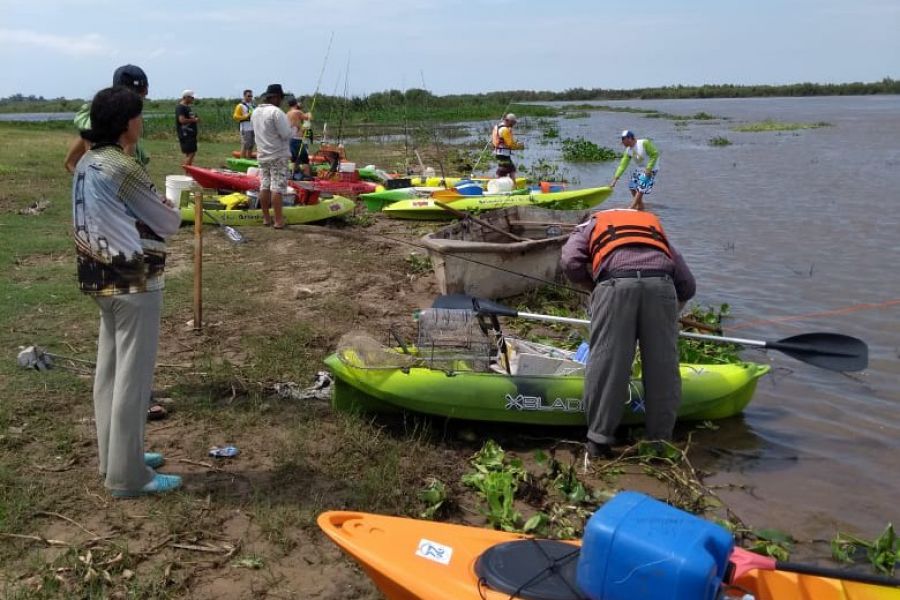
(498, 142)
(623, 227)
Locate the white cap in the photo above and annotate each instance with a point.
(187, 94)
(510, 117)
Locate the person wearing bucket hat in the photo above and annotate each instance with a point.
(504, 143)
(186, 126)
(131, 76)
(643, 151)
(273, 138)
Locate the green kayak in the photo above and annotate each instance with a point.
(428, 209)
(708, 391)
(293, 215)
(240, 164)
(377, 201)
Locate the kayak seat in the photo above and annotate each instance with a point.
(531, 569)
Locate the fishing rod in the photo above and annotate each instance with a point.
(344, 103)
(437, 145)
(307, 124)
(490, 138)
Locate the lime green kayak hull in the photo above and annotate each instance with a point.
(293, 215)
(428, 209)
(709, 392)
(240, 164)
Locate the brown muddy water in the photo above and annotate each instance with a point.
(787, 224)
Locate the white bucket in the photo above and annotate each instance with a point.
(253, 171)
(347, 167)
(175, 184)
(500, 185)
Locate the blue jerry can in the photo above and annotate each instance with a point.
(636, 547)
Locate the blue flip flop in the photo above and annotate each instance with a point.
(160, 484)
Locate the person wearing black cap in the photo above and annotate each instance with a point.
(273, 139)
(130, 76)
(186, 127)
(646, 156)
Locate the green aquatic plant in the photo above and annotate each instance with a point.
(771, 125)
(582, 150)
(883, 552)
(719, 141)
(697, 351)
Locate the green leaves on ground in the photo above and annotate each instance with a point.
(582, 150)
(497, 478)
(883, 552)
(434, 495)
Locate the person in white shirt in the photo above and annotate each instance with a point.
(273, 138)
(242, 112)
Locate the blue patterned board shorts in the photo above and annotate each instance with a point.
(641, 182)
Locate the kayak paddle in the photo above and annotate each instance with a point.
(230, 232)
(832, 351)
(744, 561)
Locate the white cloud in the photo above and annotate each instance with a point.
(89, 44)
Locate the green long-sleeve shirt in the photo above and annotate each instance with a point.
(643, 151)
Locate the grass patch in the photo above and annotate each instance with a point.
(719, 141)
(770, 125)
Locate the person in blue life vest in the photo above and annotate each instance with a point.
(639, 284)
(646, 158)
(241, 114)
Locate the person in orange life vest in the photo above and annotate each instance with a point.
(639, 284)
(504, 143)
(642, 179)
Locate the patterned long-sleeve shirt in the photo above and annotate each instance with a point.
(120, 224)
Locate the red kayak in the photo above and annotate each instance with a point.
(314, 159)
(241, 182)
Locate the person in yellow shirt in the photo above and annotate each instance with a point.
(504, 143)
(242, 112)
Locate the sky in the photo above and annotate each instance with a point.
(69, 48)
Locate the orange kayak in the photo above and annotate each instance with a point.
(411, 559)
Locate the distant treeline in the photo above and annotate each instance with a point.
(417, 98)
(406, 111)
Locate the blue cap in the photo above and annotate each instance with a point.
(627, 134)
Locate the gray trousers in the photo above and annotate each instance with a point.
(126, 357)
(624, 311)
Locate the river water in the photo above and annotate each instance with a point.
(786, 224)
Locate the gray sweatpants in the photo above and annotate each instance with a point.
(126, 357)
(624, 311)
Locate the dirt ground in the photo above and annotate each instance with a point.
(273, 307)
